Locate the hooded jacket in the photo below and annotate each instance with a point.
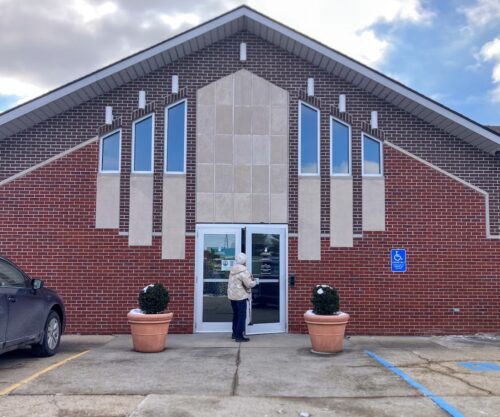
(240, 283)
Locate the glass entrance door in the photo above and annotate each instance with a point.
(216, 247)
(266, 257)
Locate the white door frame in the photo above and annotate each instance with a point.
(281, 326)
(201, 230)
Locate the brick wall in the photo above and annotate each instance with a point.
(47, 228)
(47, 221)
(441, 223)
(281, 68)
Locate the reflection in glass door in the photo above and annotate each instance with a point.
(217, 249)
(266, 260)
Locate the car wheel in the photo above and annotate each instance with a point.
(51, 336)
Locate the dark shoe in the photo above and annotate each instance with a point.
(233, 336)
(242, 339)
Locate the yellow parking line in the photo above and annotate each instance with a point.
(11, 388)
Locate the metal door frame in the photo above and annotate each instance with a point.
(281, 326)
(201, 230)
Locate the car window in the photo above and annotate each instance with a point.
(10, 276)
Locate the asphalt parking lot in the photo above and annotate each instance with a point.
(272, 375)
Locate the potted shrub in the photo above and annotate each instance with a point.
(149, 323)
(325, 322)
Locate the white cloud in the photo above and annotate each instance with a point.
(346, 26)
(482, 13)
(17, 88)
(70, 38)
(89, 12)
(175, 21)
(491, 52)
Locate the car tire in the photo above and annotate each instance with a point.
(51, 338)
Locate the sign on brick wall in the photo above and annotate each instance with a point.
(398, 260)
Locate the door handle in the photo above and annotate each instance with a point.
(11, 298)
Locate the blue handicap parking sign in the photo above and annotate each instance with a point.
(398, 260)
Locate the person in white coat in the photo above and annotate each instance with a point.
(239, 290)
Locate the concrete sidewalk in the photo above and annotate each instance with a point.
(211, 375)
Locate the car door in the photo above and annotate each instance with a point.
(26, 313)
(4, 314)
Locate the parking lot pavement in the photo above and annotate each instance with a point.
(211, 375)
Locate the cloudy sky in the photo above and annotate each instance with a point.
(448, 50)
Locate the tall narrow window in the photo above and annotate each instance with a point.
(372, 156)
(110, 152)
(175, 140)
(143, 145)
(340, 148)
(308, 140)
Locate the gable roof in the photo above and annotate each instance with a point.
(245, 18)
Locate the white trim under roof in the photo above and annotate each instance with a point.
(245, 18)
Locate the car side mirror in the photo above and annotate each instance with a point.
(37, 284)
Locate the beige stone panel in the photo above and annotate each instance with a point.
(260, 208)
(140, 228)
(205, 208)
(205, 120)
(279, 208)
(224, 119)
(341, 217)
(107, 210)
(261, 150)
(243, 179)
(173, 241)
(260, 120)
(373, 204)
(205, 178)
(279, 149)
(279, 120)
(309, 219)
(243, 88)
(205, 148)
(224, 178)
(279, 97)
(224, 91)
(279, 179)
(242, 208)
(224, 207)
(206, 95)
(223, 149)
(243, 146)
(260, 91)
(260, 179)
(242, 120)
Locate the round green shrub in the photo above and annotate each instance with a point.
(154, 299)
(325, 300)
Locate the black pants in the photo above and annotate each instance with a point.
(239, 317)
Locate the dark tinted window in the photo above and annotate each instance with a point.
(10, 276)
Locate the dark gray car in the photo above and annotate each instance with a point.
(30, 315)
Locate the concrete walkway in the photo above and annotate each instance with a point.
(272, 375)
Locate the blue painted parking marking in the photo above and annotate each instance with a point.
(480, 366)
(425, 391)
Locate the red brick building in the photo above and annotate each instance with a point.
(244, 135)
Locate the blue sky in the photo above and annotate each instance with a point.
(448, 50)
(442, 60)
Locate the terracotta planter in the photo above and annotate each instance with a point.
(149, 331)
(326, 332)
